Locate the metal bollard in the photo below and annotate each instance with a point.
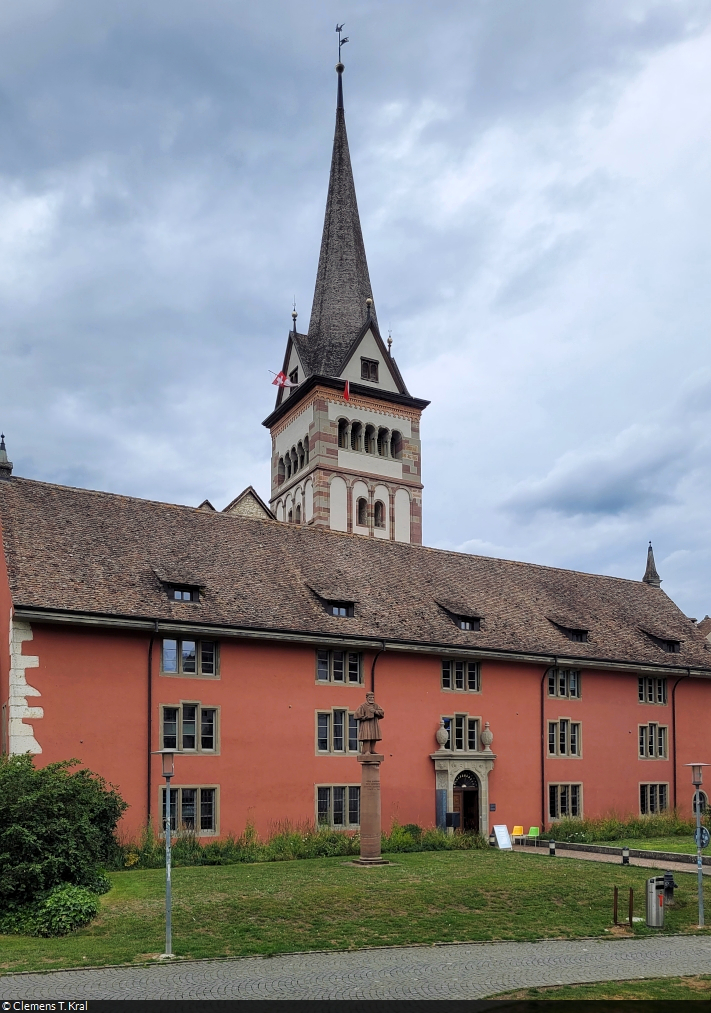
(625, 856)
(655, 902)
(551, 849)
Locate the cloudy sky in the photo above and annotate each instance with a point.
(533, 180)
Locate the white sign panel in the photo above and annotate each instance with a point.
(503, 838)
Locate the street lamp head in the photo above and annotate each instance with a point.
(167, 759)
(696, 773)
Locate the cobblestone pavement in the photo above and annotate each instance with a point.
(461, 971)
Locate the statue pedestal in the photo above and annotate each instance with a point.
(370, 819)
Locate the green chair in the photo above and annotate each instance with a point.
(533, 833)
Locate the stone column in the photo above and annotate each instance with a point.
(370, 817)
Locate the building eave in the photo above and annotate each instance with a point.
(148, 624)
(336, 384)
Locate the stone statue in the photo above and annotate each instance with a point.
(368, 728)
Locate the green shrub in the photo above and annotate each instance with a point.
(286, 843)
(616, 828)
(64, 909)
(56, 827)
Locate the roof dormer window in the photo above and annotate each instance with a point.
(340, 608)
(468, 623)
(369, 370)
(184, 594)
(665, 644)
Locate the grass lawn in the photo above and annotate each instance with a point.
(697, 987)
(276, 907)
(685, 845)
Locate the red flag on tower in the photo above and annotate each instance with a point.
(347, 390)
(281, 380)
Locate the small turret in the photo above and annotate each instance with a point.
(651, 576)
(5, 465)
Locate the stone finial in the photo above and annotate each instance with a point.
(651, 576)
(5, 465)
(487, 737)
(442, 735)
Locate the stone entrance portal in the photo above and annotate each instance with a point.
(465, 801)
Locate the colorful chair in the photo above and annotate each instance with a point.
(533, 833)
(517, 832)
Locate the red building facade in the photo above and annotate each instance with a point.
(246, 638)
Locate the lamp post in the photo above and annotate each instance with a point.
(168, 760)
(696, 780)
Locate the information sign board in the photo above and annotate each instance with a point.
(503, 838)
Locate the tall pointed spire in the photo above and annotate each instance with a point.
(650, 574)
(342, 282)
(5, 465)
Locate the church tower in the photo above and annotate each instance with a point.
(346, 436)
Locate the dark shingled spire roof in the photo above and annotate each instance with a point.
(650, 574)
(342, 283)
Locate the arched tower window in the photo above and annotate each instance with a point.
(396, 445)
(281, 471)
(306, 450)
(301, 455)
(287, 462)
(291, 517)
(369, 443)
(357, 436)
(294, 461)
(343, 434)
(382, 443)
(298, 513)
(362, 512)
(379, 514)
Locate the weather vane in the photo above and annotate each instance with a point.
(341, 42)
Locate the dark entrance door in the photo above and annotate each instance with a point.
(466, 801)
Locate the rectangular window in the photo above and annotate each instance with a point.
(564, 738)
(653, 741)
(461, 676)
(192, 809)
(652, 690)
(184, 594)
(190, 727)
(369, 369)
(338, 805)
(565, 801)
(336, 732)
(341, 608)
(463, 733)
(564, 682)
(189, 657)
(653, 798)
(339, 666)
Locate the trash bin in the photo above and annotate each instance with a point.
(655, 902)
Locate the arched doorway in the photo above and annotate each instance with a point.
(465, 800)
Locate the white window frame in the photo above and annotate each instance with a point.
(651, 692)
(562, 680)
(198, 727)
(460, 670)
(567, 786)
(567, 736)
(331, 788)
(651, 801)
(331, 661)
(199, 832)
(198, 673)
(469, 725)
(659, 735)
(330, 714)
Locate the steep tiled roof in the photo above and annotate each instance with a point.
(72, 549)
(342, 282)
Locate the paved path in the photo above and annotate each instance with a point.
(596, 856)
(461, 971)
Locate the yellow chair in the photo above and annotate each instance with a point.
(516, 832)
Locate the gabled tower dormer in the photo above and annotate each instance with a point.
(346, 438)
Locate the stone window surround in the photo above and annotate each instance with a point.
(198, 751)
(642, 734)
(346, 751)
(197, 831)
(557, 755)
(336, 826)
